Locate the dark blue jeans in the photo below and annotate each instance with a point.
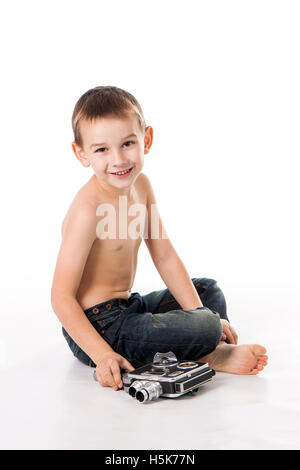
(142, 325)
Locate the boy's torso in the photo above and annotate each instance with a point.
(111, 265)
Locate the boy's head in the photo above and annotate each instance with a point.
(110, 134)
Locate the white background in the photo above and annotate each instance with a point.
(219, 83)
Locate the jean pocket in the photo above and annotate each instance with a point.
(103, 325)
(109, 328)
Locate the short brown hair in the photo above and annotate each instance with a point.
(104, 101)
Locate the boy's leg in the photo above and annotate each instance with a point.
(124, 322)
(209, 292)
(164, 326)
(189, 334)
(106, 318)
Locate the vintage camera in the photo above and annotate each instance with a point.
(166, 377)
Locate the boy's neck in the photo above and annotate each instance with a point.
(111, 191)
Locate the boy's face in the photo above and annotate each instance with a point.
(112, 145)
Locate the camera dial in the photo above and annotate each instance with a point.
(187, 365)
(164, 360)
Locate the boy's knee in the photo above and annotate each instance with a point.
(204, 281)
(210, 328)
(204, 285)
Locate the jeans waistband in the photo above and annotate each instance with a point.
(111, 305)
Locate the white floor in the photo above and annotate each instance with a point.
(50, 401)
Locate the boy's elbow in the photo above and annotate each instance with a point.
(54, 301)
(54, 296)
(57, 298)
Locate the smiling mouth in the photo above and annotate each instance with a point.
(124, 172)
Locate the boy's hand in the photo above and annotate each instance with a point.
(108, 370)
(228, 333)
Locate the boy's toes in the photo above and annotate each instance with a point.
(259, 350)
(261, 360)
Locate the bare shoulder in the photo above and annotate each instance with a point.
(148, 188)
(81, 212)
(82, 206)
(144, 185)
(142, 179)
(81, 218)
(145, 181)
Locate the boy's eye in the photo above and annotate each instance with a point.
(129, 142)
(103, 148)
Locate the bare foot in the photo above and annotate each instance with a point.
(237, 359)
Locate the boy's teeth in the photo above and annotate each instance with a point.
(122, 172)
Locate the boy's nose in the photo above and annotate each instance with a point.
(118, 158)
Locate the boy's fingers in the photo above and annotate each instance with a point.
(229, 336)
(126, 364)
(116, 375)
(108, 380)
(235, 337)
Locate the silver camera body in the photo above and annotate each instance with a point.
(166, 377)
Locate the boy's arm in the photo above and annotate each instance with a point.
(166, 259)
(78, 237)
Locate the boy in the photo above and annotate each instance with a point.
(105, 325)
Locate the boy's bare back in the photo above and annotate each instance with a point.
(110, 267)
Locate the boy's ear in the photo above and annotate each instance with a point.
(148, 139)
(80, 155)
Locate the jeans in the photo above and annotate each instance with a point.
(142, 325)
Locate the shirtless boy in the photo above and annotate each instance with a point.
(105, 325)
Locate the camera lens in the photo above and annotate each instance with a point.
(149, 391)
(132, 391)
(136, 386)
(142, 395)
